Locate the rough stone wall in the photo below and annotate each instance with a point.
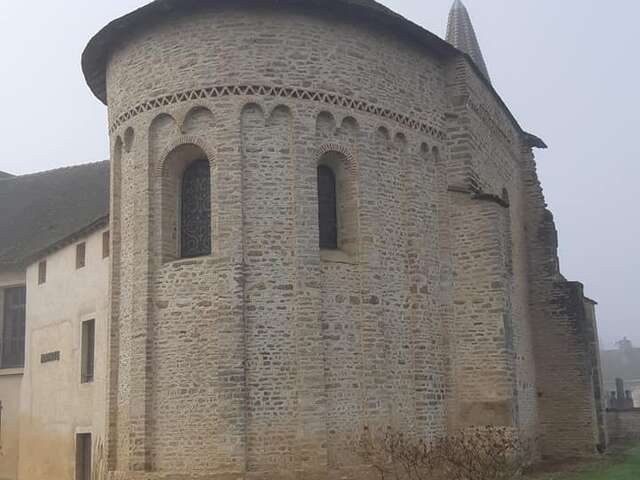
(310, 345)
(623, 425)
(600, 394)
(491, 324)
(264, 358)
(564, 339)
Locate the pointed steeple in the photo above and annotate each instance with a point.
(460, 34)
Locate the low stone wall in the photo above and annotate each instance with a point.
(623, 425)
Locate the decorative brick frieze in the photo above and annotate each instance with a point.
(280, 92)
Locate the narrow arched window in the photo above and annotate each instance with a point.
(195, 219)
(327, 208)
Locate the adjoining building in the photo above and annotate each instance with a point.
(54, 305)
(317, 216)
(622, 363)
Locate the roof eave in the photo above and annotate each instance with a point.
(26, 260)
(591, 300)
(533, 141)
(95, 55)
(529, 139)
(97, 51)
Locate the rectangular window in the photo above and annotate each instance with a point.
(13, 328)
(88, 350)
(106, 248)
(42, 272)
(81, 253)
(83, 456)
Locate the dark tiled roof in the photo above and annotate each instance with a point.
(4, 175)
(42, 210)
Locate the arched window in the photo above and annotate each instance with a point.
(327, 208)
(195, 218)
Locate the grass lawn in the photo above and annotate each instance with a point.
(620, 466)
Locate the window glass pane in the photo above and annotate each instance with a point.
(195, 225)
(83, 456)
(106, 247)
(80, 255)
(42, 272)
(14, 328)
(88, 350)
(327, 212)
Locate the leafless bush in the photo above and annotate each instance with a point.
(99, 462)
(487, 453)
(396, 456)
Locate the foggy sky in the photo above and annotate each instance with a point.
(568, 70)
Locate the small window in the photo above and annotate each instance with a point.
(106, 245)
(327, 208)
(42, 272)
(81, 254)
(13, 329)
(88, 351)
(83, 456)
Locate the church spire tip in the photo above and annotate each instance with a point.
(461, 34)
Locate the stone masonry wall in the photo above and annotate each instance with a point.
(493, 333)
(264, 359)
(564, 338)
(623, 425)
(238, 345)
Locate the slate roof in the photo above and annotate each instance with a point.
(44, 210)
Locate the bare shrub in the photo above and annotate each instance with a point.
(99, 462)
(483, 453)
(396, 456)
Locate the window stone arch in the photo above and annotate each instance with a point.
(337, 201)
(185, 207)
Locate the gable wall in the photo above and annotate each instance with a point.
(55, 405)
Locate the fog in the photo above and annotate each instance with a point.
(568, 71)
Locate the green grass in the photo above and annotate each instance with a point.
(625, 466)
